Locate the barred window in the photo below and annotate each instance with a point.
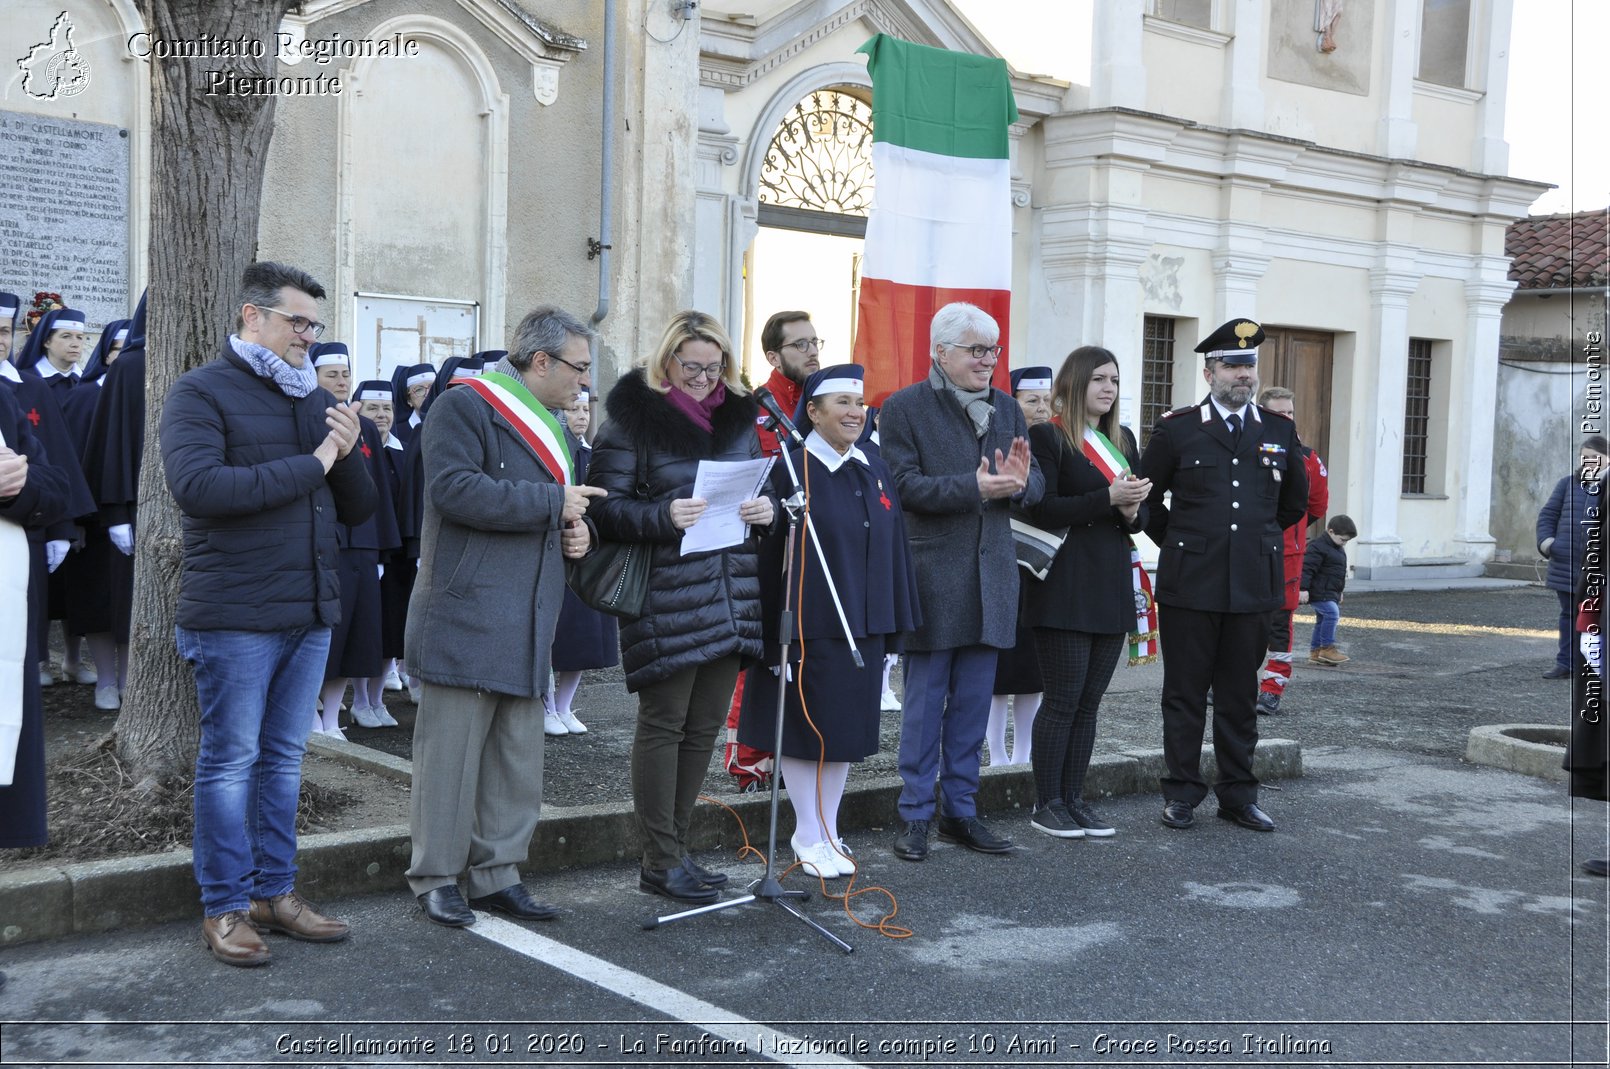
(1417, 417)
(1156, 373)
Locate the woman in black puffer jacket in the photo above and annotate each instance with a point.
(701, 619)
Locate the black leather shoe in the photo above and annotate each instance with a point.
(912, 844)
(708, 877)
(515, 901)
(1557, 673)
(973, 834)
(1248, 816)
(677, 883)
(1596, 867)
(445, 905)
(1178, 815)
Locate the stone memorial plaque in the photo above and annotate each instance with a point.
(64, 213)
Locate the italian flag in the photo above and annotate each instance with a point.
(538, 427)
(940, 229)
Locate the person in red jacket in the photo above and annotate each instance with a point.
(1277, 669)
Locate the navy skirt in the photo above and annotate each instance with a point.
(842, 700)
(355, 641)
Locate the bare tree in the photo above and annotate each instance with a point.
(207, 159)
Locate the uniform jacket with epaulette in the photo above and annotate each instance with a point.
(1219, 536)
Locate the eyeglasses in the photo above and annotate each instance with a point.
(581, 369)
(300, 324)
(981, 353)
(697, 371)
(805, 345)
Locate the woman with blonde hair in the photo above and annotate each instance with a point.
(701, 618)
(1086, 605)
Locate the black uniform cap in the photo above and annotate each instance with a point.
(1235, 343)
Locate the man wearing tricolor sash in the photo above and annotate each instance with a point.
(501, 510)
(1237, 482)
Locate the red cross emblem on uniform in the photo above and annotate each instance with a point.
(33, 416)
(365, 449)
(883, 497)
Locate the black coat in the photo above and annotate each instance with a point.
(42, 500)
(702, 607)
(260, 544)
(1090, 586)
(1324, 570)
(1587, 757)
(1219, 540)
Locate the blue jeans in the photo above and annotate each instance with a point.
(1326, 613)
(257, 691)
(946, 711)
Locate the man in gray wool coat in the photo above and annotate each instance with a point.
(960, 455)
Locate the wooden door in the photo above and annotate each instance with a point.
(1301, 361)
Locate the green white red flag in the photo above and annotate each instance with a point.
(940, 229)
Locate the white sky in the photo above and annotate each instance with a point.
(1554, 120)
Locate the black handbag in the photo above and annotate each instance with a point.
(614, 577)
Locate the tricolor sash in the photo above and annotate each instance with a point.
(1143, 641)
(537, 427)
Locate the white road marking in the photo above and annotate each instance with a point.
(678, 1005)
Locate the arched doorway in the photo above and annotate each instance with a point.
(814, 192)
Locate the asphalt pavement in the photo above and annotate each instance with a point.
(1411, 910)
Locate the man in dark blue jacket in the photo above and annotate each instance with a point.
(262, 484)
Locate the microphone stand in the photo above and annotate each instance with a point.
(767, 888)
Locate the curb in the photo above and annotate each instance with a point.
(1530, 749)
(52, 901)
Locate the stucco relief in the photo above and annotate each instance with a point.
(1298, 38)
(1160, 279)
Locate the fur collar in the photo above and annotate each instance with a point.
(649, 420)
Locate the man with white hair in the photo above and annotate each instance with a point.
(960, 455)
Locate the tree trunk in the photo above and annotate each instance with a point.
(207, 160)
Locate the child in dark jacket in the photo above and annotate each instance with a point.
(1324, 578)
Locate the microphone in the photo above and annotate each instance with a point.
(773, 409)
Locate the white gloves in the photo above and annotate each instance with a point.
(55, 553)
(122, 536)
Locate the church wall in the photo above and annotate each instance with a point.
(1446, 120)
(1203, 63)
(422, 162)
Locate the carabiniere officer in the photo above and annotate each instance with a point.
(1237, 481)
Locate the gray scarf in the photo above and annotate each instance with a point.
(292, 381)
(976, 403)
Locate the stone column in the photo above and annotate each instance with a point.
(1117, 75)
(1398, 133)
(1380, 382)
(1491, 152)
(717, 150)
(1243, 89)
(1475, 398)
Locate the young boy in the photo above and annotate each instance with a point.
(1324, 577)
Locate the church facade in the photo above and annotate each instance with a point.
(1336, 171)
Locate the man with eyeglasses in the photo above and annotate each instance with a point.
(502, 511)
(959, 451)
(794, 352)
(260, 460)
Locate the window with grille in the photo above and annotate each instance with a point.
(1156, 373)
(1417, 417)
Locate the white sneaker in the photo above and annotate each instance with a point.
(386, 719)
(84, 674)
(817, 860)
(891, 702)
(416, 690)
(552, 725)
(393, 680)
(366, 718)
(46, 679)
(107, 697)
(572, 725)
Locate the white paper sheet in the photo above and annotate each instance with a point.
(724, 484)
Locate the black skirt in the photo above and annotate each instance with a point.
(842, 699)
(1017, 670)
(355, 641)
(396, 587)
(584, 638)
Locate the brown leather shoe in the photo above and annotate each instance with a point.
(233, 940)
(289, 914)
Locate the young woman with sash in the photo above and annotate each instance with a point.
(1088, 604)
